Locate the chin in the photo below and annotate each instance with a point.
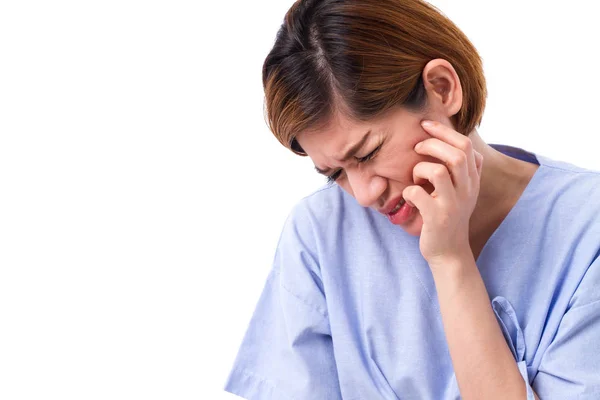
(414, 226)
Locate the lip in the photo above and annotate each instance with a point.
(390, 205)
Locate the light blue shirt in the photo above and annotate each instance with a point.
(350, 310)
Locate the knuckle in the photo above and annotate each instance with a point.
(459, 159)
(439, 171)
(411, 191)
(466, 144)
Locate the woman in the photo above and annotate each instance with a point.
(433, 265)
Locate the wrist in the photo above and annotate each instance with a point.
(453, 269)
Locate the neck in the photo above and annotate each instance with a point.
(503, 180)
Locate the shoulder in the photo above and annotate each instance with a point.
(306, 224)
(567, 173)
(568, 187)
(566, 209)
(322, 202)
(329, 221)
(328, 209)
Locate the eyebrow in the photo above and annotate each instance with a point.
(352, 150)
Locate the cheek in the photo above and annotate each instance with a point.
(400, 168)
(401, 172)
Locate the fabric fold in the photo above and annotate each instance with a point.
(513, 334)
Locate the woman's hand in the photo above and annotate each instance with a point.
(447, 210)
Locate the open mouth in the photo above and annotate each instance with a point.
(398, 206)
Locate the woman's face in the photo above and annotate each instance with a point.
(382, 166)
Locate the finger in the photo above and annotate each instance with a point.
(452, 137)
(479, 162)
(454, 159)
(438, 175)
(416, 196)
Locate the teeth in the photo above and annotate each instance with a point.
(400, 203)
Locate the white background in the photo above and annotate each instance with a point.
(142, 195)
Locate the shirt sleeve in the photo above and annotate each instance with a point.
(570, 366)
(287, 350)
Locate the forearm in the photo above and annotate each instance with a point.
(483, 363)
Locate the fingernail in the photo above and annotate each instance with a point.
(427, 124)
(418, 145)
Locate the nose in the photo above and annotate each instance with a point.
(365, 187)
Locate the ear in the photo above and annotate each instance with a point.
(442, 85)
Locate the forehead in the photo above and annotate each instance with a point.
(340, 132)
(337, 133)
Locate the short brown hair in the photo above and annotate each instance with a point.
(363, 57)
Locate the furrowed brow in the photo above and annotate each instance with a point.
(352, 150)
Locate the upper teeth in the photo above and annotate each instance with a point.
(400, 203)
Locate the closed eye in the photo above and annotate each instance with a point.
(332, 178)
(369, 156)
